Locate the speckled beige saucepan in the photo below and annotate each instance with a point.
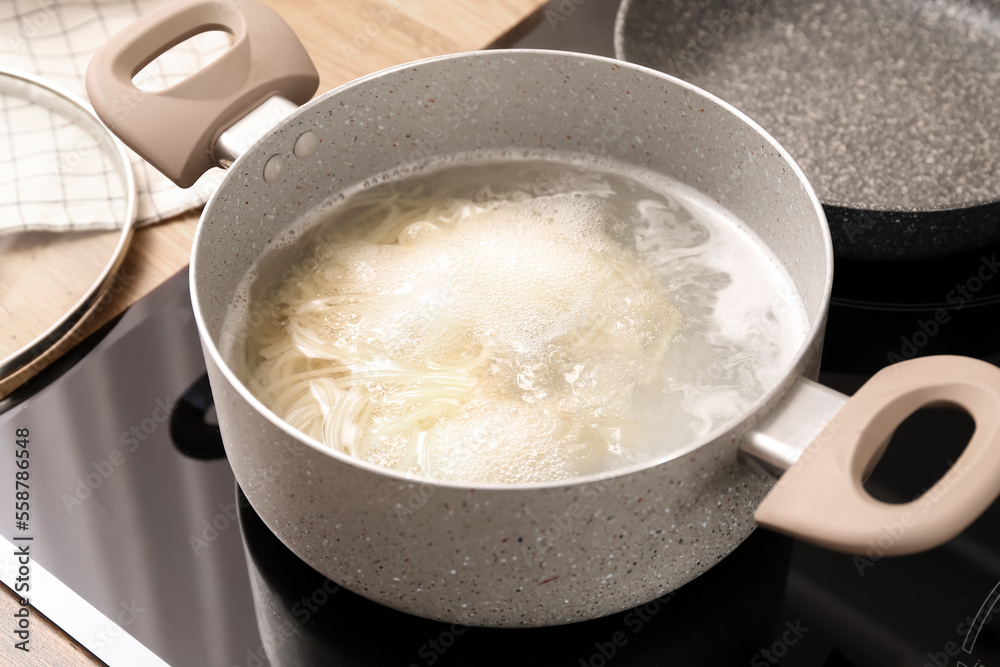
(533, 554)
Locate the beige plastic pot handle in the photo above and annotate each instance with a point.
(821, 498)
(176, 129)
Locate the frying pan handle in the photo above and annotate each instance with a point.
(821, 498)
(176, 129)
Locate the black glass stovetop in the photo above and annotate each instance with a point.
(146, 552)
(136, 512)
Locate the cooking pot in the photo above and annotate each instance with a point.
(722, 618)
(889, 106)
(524, 554)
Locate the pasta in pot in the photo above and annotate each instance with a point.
(484, 333)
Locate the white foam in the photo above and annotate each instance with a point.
(622, 314)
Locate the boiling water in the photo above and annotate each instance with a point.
(516, 321)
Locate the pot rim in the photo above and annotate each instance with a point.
(816, 325)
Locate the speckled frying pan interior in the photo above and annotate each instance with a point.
(887, 105)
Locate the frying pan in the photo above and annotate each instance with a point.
(889, 106)
(539, 553)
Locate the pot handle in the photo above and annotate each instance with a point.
(821, 499)
(176, 129)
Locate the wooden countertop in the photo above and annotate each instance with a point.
(346, 39)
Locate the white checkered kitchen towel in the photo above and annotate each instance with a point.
(45, 181)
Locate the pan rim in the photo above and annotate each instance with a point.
(861, 207)
(34, 355)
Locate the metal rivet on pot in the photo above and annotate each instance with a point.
(273, 168)
(305, 145)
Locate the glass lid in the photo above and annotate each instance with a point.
(67, 210)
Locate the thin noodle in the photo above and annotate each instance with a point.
(320, 366)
